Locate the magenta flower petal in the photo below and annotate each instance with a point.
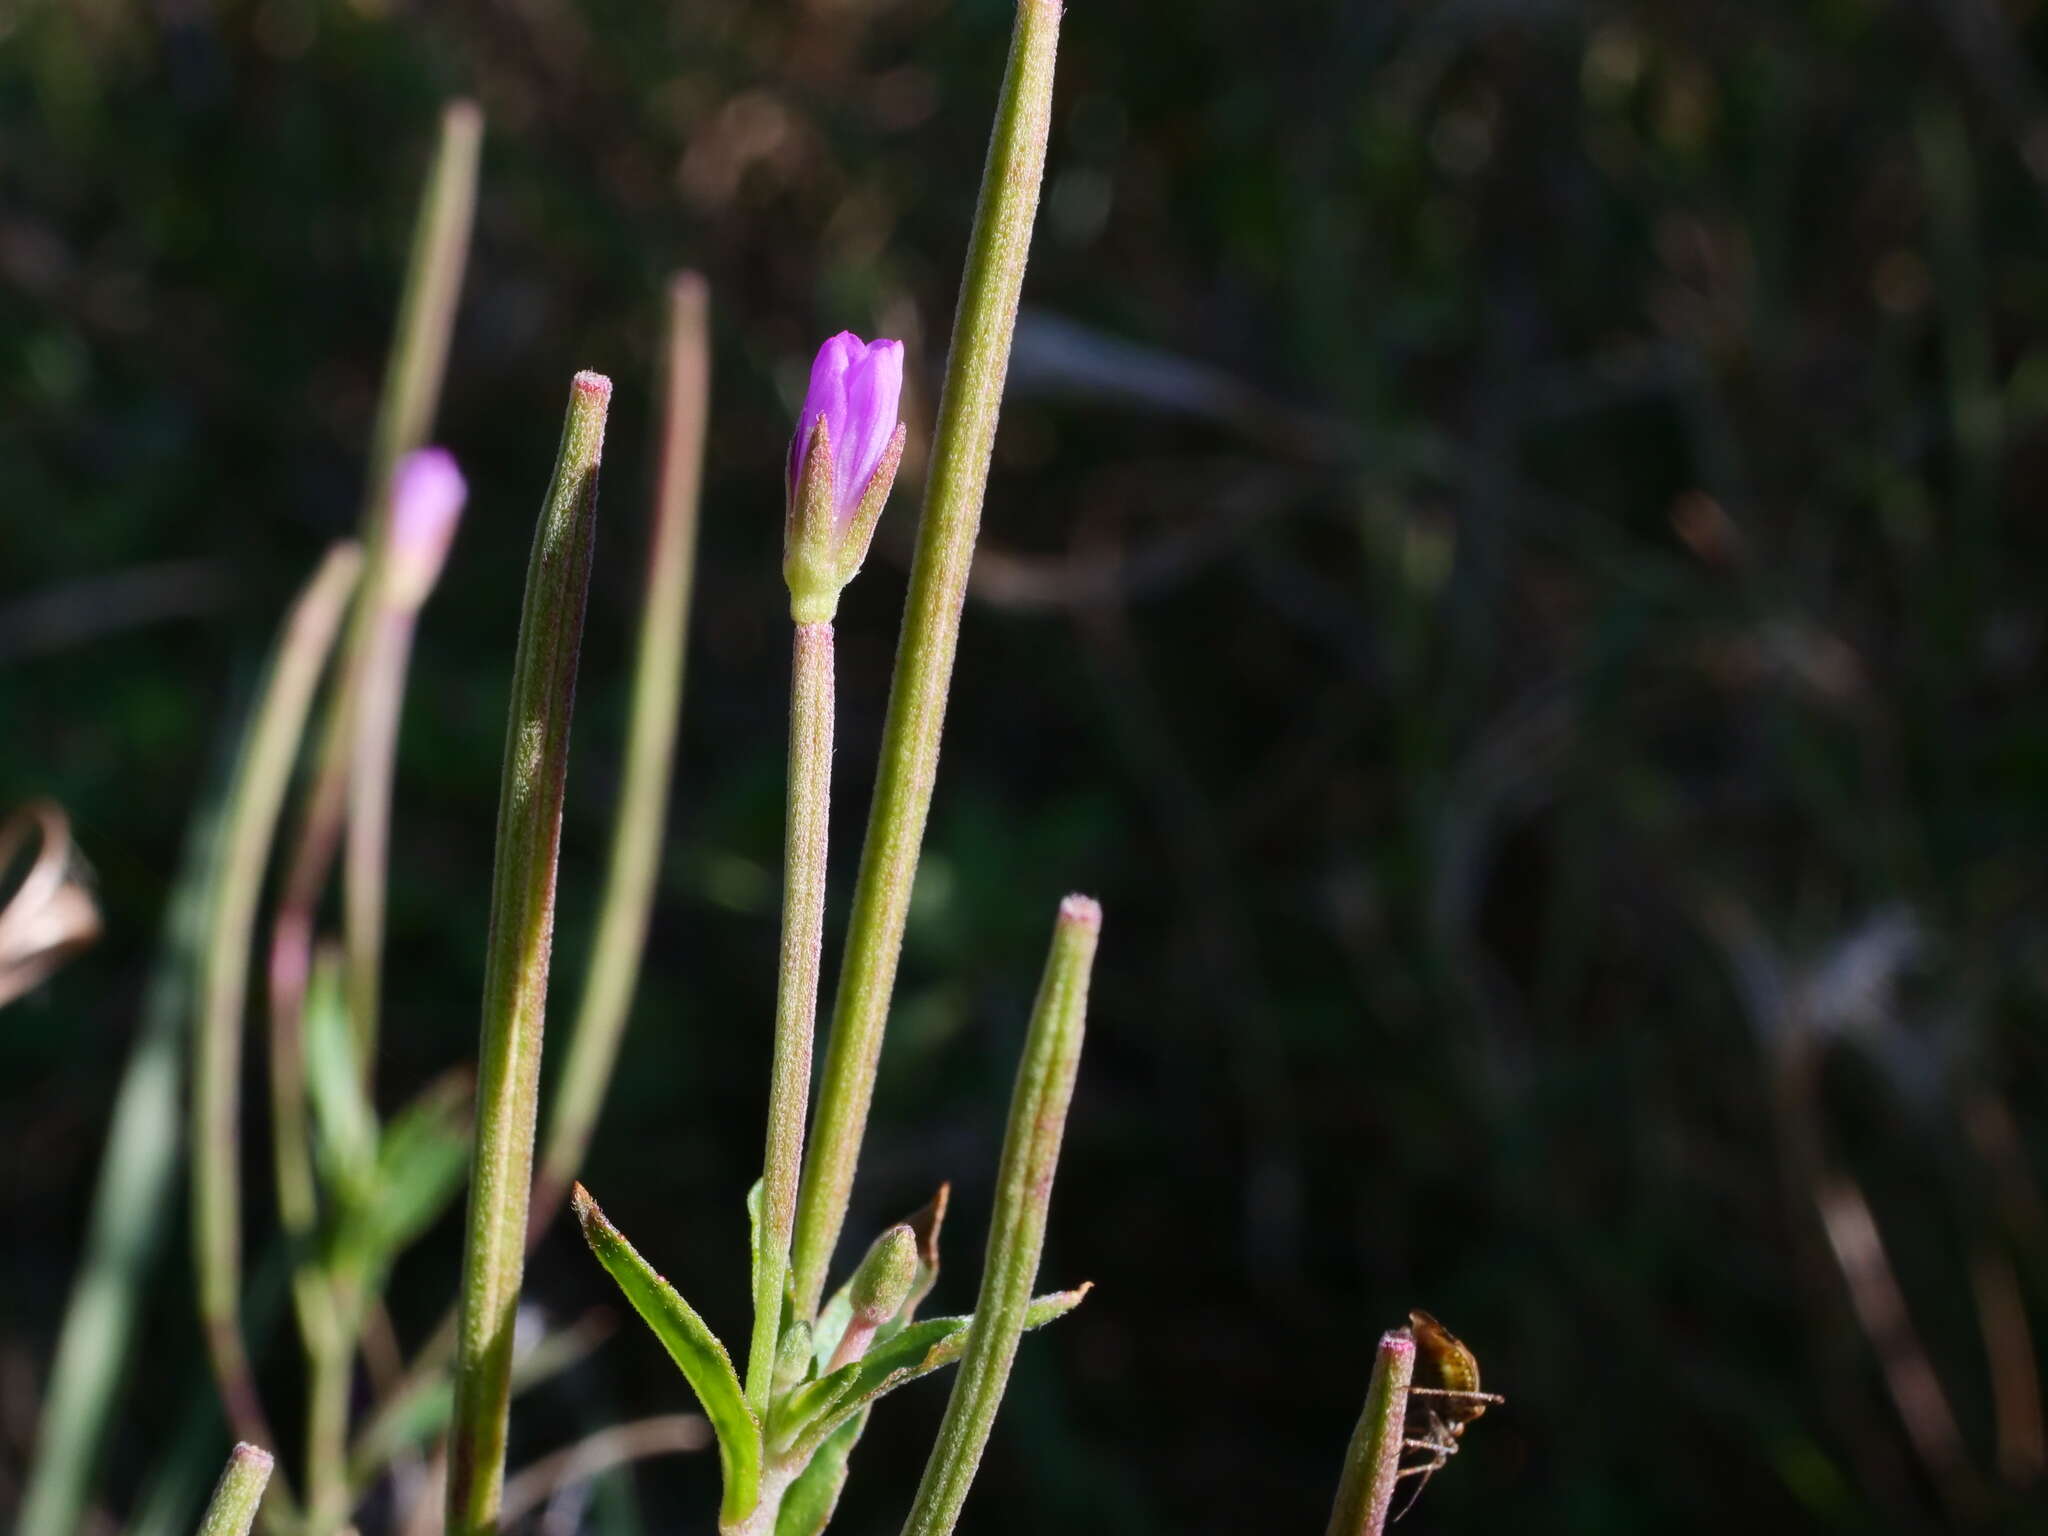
(855, 389)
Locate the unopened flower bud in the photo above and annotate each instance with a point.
(885, 1276)
(427, 493)
(878, 1290)
(842, 463)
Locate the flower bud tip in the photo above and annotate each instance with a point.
(427, 495)
(1081, 912)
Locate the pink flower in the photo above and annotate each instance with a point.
(842, 463)
(855, 387)
(427, 493)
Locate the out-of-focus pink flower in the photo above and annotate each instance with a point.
(427, 493)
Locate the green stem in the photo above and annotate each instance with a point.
(804, 851)
(262, 775)
(516, 960)
(1031, 1154)
(426, 313)
(1372, 1461)
(405, 410)
(329, 1374)
(637, 830)
(238, 1493)
(380, 700)
(130, 1209)
(962, 441)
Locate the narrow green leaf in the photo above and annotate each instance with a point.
(344, 1120)
(132, 1206)
(816, 1411)
(693, 1347)
(422, 1160)
(807, 1507)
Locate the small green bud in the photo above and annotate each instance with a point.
(882, 1283)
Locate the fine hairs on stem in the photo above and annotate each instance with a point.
(1016, 1234)
(1365, 1491)
(962, 442)
(516, 959)
(642, 815)
(239, 1493)
(808, 803)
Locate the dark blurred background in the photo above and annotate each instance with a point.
(1506, 570)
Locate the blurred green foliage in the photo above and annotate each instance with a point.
(1507, 571)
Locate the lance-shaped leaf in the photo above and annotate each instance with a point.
(815, 1411)
(344, 1120)
(422, 1159)
(693, 1347)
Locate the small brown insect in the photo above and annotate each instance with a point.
(1447, 1384)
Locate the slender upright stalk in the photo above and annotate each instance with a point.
(379, 640)
(131, 1207)
(405, 411)
(262, 775)
(642, 815)
(330, 1372)
(1031, 1154)
(238, 1494)
(1372, 1461)
(380, 700)
(808, 804)
(516, 960)
(426, 308)
(958, 473)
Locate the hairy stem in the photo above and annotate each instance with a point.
(962, 441)
(796, 995)
(642, 816)
(516, 960)
(1031, 1154)
(1372, 1461)
(238, 1494)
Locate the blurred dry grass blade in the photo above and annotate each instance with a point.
(50, 915)
(666, 1435)
(2009, 1361)
(1881, 1309)
(54, 620)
